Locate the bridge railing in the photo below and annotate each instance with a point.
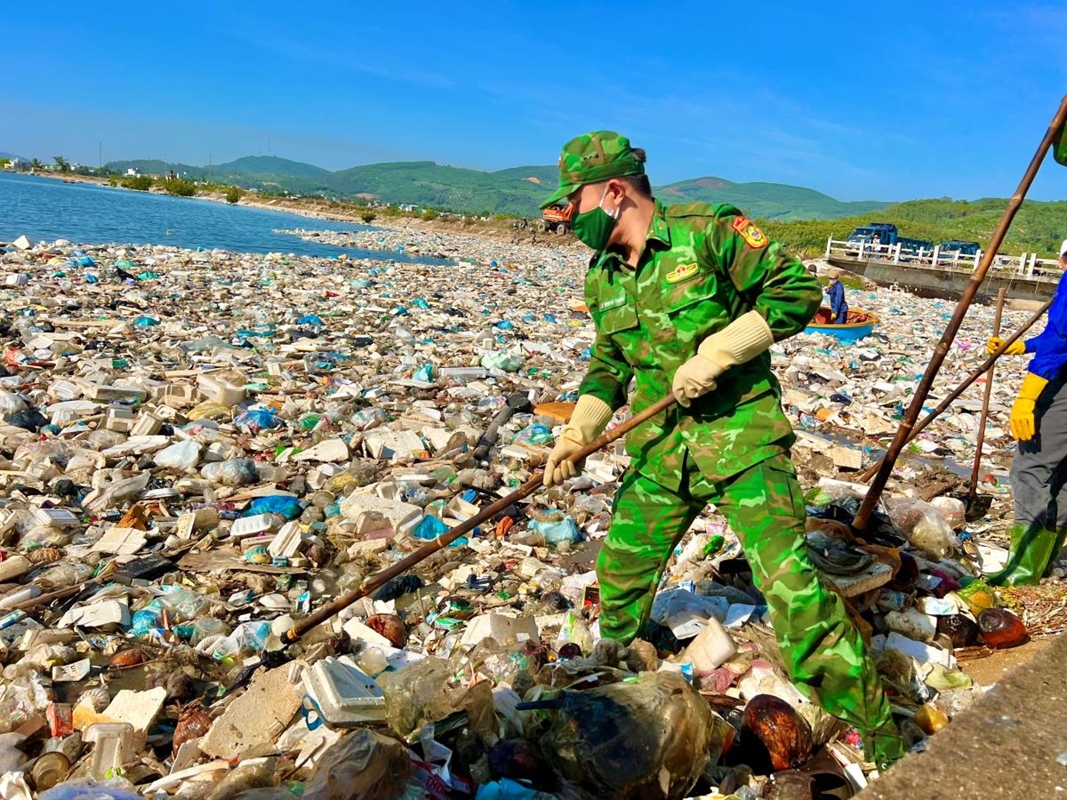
(1027, 265)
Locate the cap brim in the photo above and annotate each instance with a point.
(564, 191)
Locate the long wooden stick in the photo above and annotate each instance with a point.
(973, 491)
(964, 386)
(374, 582)
(912, 414)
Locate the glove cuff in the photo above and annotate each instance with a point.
(1032, 386)
(591, 415)
(740, 341)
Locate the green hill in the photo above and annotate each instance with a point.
(425, 183)
(270, 165)
(765, 200)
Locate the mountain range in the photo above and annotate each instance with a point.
(517, 190)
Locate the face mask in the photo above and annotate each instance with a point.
(593, 228)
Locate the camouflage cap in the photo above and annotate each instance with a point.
(591, 158)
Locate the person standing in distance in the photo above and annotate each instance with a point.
(689, 299)
(1039, 469)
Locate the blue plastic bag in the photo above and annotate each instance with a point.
(280, 504)
(255, 420)
(557, 528)
(432, 528)
(310, 319)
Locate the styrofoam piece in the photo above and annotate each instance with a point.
(286, 542)
(56, 517)
(217, 388)
(712, 648)
(344, 693)
(922, 652)
(250, 526)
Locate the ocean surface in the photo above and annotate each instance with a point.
(48, 209)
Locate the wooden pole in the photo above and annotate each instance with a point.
(863, 516)
(985, 402)
(374, 582)
(964, 385)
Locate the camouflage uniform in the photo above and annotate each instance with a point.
(702, 267)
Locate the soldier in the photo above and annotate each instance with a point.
(688, 299)
(1039, 423)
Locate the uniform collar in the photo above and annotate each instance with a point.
(658, 231)
(658, 228)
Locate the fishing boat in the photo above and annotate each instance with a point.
(859, 324)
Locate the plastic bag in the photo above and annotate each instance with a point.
(953, 510)
(534, 434)
(257, 419)
(417, 694)
(363, 765)
(649, 738)
(923, 527)
(280, 504)
(183, 456)
(235, 472)
(556, 528)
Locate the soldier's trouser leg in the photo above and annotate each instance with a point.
(1038, 475)
(646, 523)
(823, 652)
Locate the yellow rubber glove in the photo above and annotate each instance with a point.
(1017, 348)
(591, 415)
(740, 341)
(1022, 412)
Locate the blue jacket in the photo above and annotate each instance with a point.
(837, 298)
(1050, 346)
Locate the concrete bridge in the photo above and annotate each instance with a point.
(945, 275)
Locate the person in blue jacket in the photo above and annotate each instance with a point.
(1039, 469)
(838, 306)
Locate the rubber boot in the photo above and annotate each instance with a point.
(884, 746)
(1032, 551)
(1061, 536)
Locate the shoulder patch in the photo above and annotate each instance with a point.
(748, 231)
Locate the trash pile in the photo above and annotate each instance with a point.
(198, 449)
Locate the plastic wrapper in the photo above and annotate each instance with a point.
(952, 510)
(650, 738)
(364, 765)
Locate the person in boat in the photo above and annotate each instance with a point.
(688, 299)
(1039, 469)
(838, 305)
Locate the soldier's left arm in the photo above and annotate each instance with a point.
(773, 282)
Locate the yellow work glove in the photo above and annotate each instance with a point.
(1017, 348)
(740, 341)
(591, 415)
(1022, 412)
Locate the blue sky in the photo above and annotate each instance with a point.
(883, 101)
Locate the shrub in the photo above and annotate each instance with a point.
(233, 194)
(429, 214)
(368, 217)
(141, 183)
(179, 187)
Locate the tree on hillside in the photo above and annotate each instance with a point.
(4, 162)
(36, 164)
(61, 163)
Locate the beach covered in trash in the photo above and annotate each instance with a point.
(200, 448)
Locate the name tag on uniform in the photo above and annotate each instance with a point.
(681, 272)
(614, 302)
